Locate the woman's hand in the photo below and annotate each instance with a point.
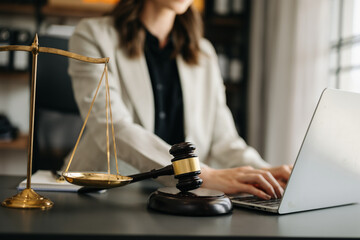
(281, 173)
(258, 182)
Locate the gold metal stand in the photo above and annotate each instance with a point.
(28, 198)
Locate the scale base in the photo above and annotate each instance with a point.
(198, 202)
(27, 198)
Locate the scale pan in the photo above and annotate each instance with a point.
(97, 180)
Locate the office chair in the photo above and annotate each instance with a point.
(57, 119)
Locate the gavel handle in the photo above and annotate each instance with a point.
(168, 170)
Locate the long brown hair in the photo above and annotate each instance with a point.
(187, 30)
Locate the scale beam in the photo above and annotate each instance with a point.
(54, 51)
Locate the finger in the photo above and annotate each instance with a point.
(258, 179)
(244, 169)
(247, 188)
(282, 183)
(282, 172)
(276, 185)
(271, 179)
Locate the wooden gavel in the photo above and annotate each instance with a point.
(185, 167)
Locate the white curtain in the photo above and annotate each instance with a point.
(288, 71)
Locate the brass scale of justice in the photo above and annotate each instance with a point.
(186, 199)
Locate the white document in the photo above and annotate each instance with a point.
(46, 181)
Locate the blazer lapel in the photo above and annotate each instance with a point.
(135, 75)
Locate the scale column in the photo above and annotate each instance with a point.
(28, 198)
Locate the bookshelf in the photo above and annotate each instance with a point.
(20, 143)
(17, 76)
(50, 10)
(17, 8)
(227, 26)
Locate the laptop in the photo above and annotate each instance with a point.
(327, 169)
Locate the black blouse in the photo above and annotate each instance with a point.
(169, 116)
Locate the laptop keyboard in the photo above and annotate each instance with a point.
(254, 200)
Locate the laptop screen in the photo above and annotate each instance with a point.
(327, 169)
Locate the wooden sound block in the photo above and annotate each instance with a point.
(198, 202)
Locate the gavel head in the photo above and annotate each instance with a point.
(186, 166)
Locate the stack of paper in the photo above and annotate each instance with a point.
(46, 181)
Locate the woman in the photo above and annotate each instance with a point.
(165, 88)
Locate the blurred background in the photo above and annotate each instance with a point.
(275, 56)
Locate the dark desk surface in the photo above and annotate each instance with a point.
(122, 213)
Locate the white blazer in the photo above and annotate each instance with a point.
(208, 123)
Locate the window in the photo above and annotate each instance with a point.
(345, 45)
